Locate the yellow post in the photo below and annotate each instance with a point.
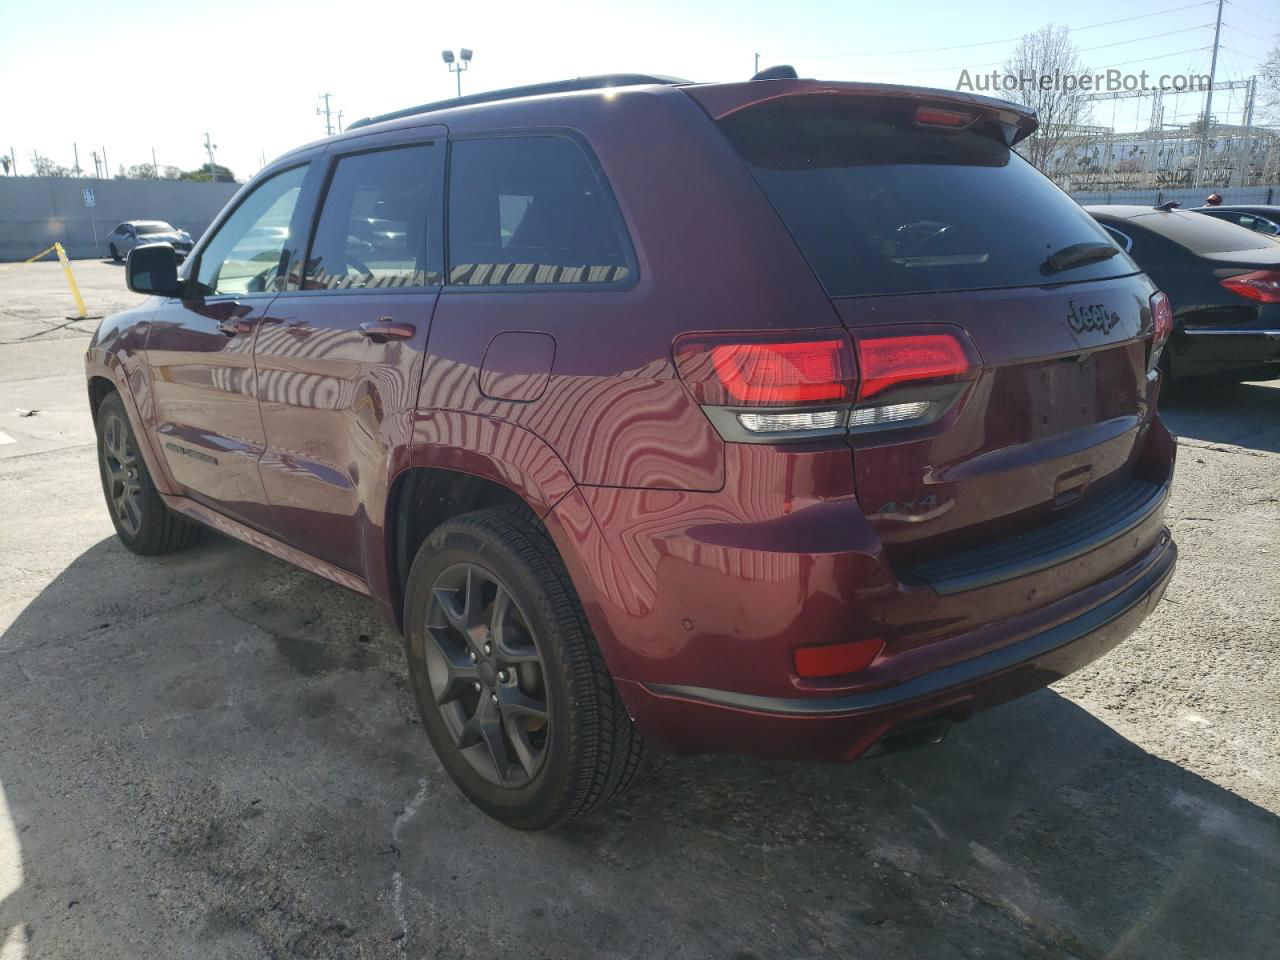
(71, 281)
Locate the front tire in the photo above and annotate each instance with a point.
(142, 521)
(511, 687)
(115, 254)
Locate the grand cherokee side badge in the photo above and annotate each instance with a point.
(1093, 316)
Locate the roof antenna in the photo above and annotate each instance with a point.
(781, 72)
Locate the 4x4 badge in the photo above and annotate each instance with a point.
(1093, 316)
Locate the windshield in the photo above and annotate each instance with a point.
(882, 205)
(155, 226)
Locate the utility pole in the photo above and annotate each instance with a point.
(209, 148)
(106, 167)
(339, 121)
(97, 171)
(76, 150)
(1208, 99)
(328, 123)
(757, 69)
(155, 167)
(13, 156)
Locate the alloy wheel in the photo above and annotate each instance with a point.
(487, 676)
(121, 468)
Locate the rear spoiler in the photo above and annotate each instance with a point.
(722, 99)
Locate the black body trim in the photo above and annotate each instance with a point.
(955, 675)
(1109, 516)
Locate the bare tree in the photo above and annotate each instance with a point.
(1041, 61)
(1269, 83)
(44, 167)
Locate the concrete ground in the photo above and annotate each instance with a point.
(215, 755)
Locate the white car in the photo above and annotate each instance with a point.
(133, 233)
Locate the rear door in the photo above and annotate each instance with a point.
(918, 216)
(200, 353)
(339, 363)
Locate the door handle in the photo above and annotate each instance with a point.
(235, 325)
(384, 329)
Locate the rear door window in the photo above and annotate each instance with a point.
(881, 205)
(532, 210)
(374, 225)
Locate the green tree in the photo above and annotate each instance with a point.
(205, 172)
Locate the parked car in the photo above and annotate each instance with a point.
(133, 233)
(1263, 219)
(1223, 281)
(790, 418)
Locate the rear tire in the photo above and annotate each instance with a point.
(142, 521)
(511, 687)
(115, 254)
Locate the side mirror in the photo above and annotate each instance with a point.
(153, 268)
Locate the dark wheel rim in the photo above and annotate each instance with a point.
(486, 675)
(120, 467)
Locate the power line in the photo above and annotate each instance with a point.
(1253, 13)
(992, 43)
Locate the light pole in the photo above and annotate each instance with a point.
(458, 65)
(210, 147)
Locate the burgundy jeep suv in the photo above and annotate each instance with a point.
(790, 418)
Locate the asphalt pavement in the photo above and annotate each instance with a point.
(216, 755)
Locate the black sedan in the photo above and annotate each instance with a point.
(1258, 217)
(1223, 281)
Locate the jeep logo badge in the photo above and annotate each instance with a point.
(1093, 316)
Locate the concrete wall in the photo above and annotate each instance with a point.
(36, 211)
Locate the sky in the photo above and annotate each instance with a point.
(250, 72)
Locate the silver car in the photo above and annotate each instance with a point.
(133, 233)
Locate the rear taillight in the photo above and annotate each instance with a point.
(1260, 285)
(889, 361)
(1161, 317)
(1161, 327)
(766, 388)
(790, 386)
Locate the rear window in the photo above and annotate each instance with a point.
(881, 205)
(1202, 234)
(146, 229)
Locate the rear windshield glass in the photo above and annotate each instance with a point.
(157, 227)
(881, 205)
(1202, 234)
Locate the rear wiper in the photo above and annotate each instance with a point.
(1078, 254)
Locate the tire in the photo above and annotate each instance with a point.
(526, 769)
(142, 521)
(115, 254)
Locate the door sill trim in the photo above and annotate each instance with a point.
(268, 545)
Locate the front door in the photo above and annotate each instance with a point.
(200, 354)
(339, 360)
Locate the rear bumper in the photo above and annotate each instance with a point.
(842, 727)
(1239, 354)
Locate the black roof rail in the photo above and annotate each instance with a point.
(531, 90)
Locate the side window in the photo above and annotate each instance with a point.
(374, 227)
(531, 210)
(244, 255)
